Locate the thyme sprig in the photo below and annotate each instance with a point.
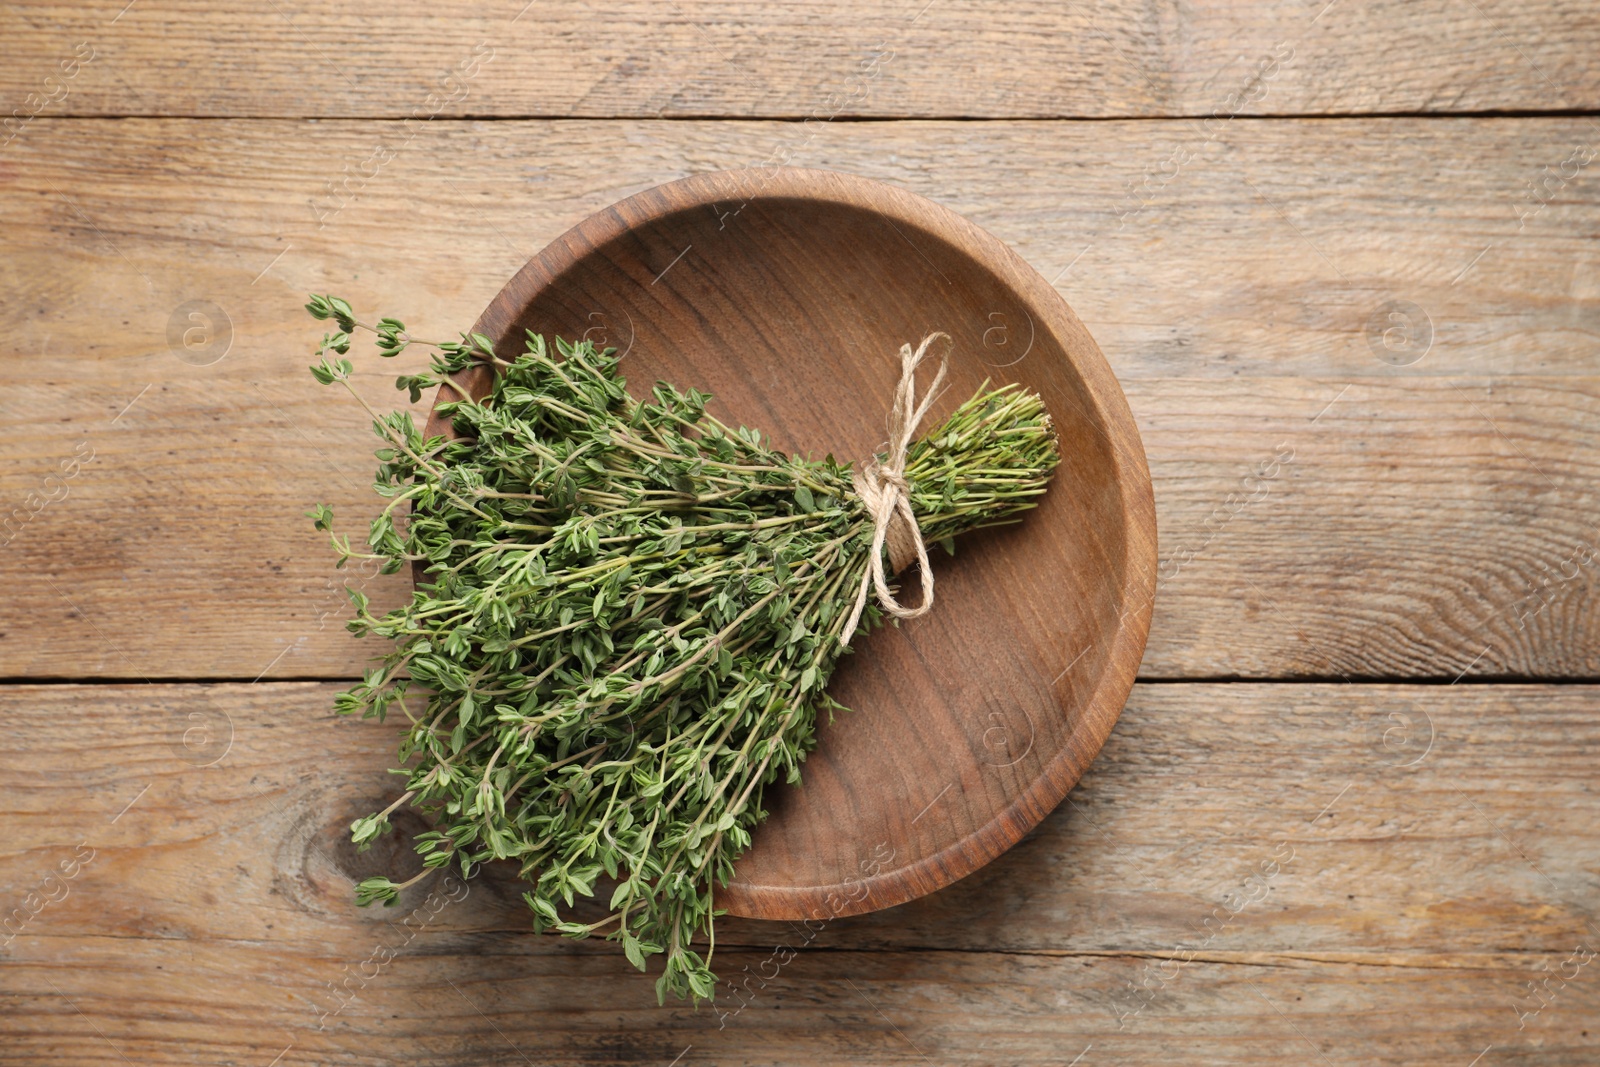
(626, 618)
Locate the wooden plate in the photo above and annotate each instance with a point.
(787, 293)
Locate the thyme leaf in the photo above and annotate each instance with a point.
(625, 620)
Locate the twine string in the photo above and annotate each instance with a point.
(883, 489)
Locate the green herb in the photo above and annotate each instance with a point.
(627, 619)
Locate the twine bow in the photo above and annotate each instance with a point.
(883, 489)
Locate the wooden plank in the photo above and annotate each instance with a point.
(1026, 58)
(1244, 305)
(1377, 871)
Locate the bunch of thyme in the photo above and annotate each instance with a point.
(626, 620)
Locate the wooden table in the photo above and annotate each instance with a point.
(1341, 256)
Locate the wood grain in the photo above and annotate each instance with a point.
(1241, 309)
(1436, 851)
(806, 284)
(1361, 354)
(1025, 58)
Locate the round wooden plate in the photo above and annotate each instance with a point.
(788, 293)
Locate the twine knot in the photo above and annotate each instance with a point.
(882, 487)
